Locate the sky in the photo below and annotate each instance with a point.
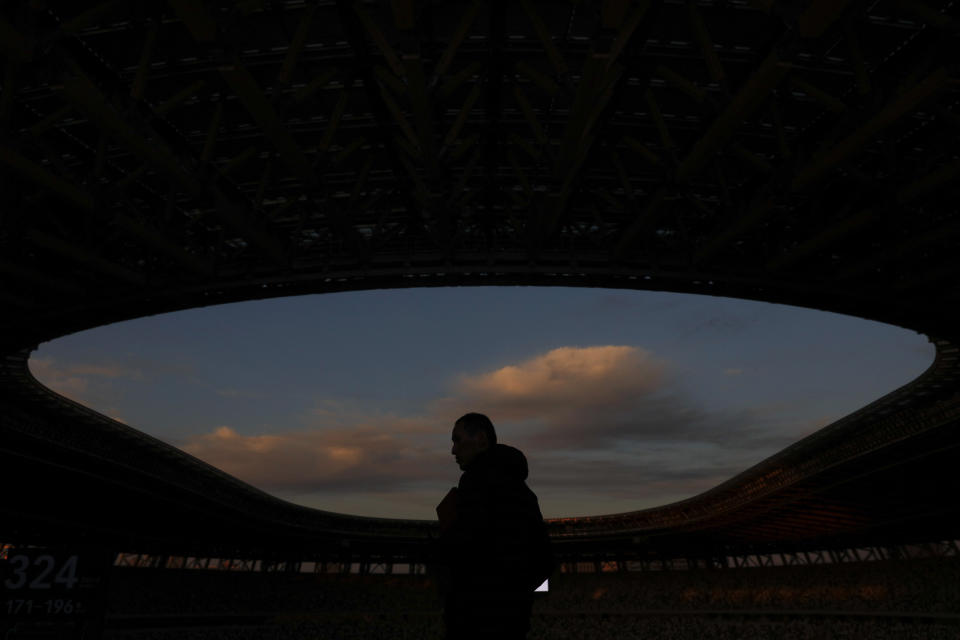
(620, 400)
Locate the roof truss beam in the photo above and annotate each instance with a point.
(85, 258)
(901, 105)
(601, 80)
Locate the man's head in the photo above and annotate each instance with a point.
(473, 434)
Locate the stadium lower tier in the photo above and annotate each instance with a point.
(914, 586)
(915, 598)
(578, 626)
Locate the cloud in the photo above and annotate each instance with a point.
(59, 379)
(99, 386)
(732, 372)
(111, 370)
(49, 368)
(595, 398)
(570, 397)
(585, 377)
(609, 421)
(379, 455)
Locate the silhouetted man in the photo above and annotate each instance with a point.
(494, 550)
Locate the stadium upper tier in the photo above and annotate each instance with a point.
(882, 475)
(158, 156)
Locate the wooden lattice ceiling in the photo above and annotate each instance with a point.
(161, 155)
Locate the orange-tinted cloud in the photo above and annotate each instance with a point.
(373, 456)
(609, 421)
(60, 379)
(43, 367)
(565, 378)
(93, 383)
(572, 398)
(352, 447)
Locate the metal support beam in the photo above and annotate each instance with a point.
(243, 84)
(334, 122)
(929, 15)
(354, 27)
(34, 278)
(642, 223)
(295, 48)
(901, 249)
(378, 38)
(819, 16)
(146, 55)
(856, 58)
(455, 82)
(49, 121)
(179, 98)
(453, 135)
(682, 84)
(666, 140)
(164, 245)
(903, 104)
(764, 200)
(87, 97)
(644, 151)
(545, 82)
(197, 19)
(747, 100)
(16, 301)
(423, 116)
(315, 84)
(530, 115)
(47, 181)
(945, 176)
(825, 238)
(702, 36)
(17, 46)
(546, 40)
(829, 101)
(601, 79)
(84, 257)
(469, 16)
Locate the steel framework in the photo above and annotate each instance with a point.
(157, 156)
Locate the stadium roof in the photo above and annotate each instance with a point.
(166, 155)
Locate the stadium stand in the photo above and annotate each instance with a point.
(911, 598)
(158, 156)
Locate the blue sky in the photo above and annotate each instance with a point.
(621, 400)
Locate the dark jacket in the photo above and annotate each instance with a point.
(496, 551)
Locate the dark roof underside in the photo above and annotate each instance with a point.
(156, 156)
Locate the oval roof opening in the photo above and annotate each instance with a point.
(620, 400)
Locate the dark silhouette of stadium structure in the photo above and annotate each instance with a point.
(158, 156)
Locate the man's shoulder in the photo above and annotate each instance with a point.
(496, 485)
(479, 477)
(503, 460)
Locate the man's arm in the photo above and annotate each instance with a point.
(447, 509)
(522, 538)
